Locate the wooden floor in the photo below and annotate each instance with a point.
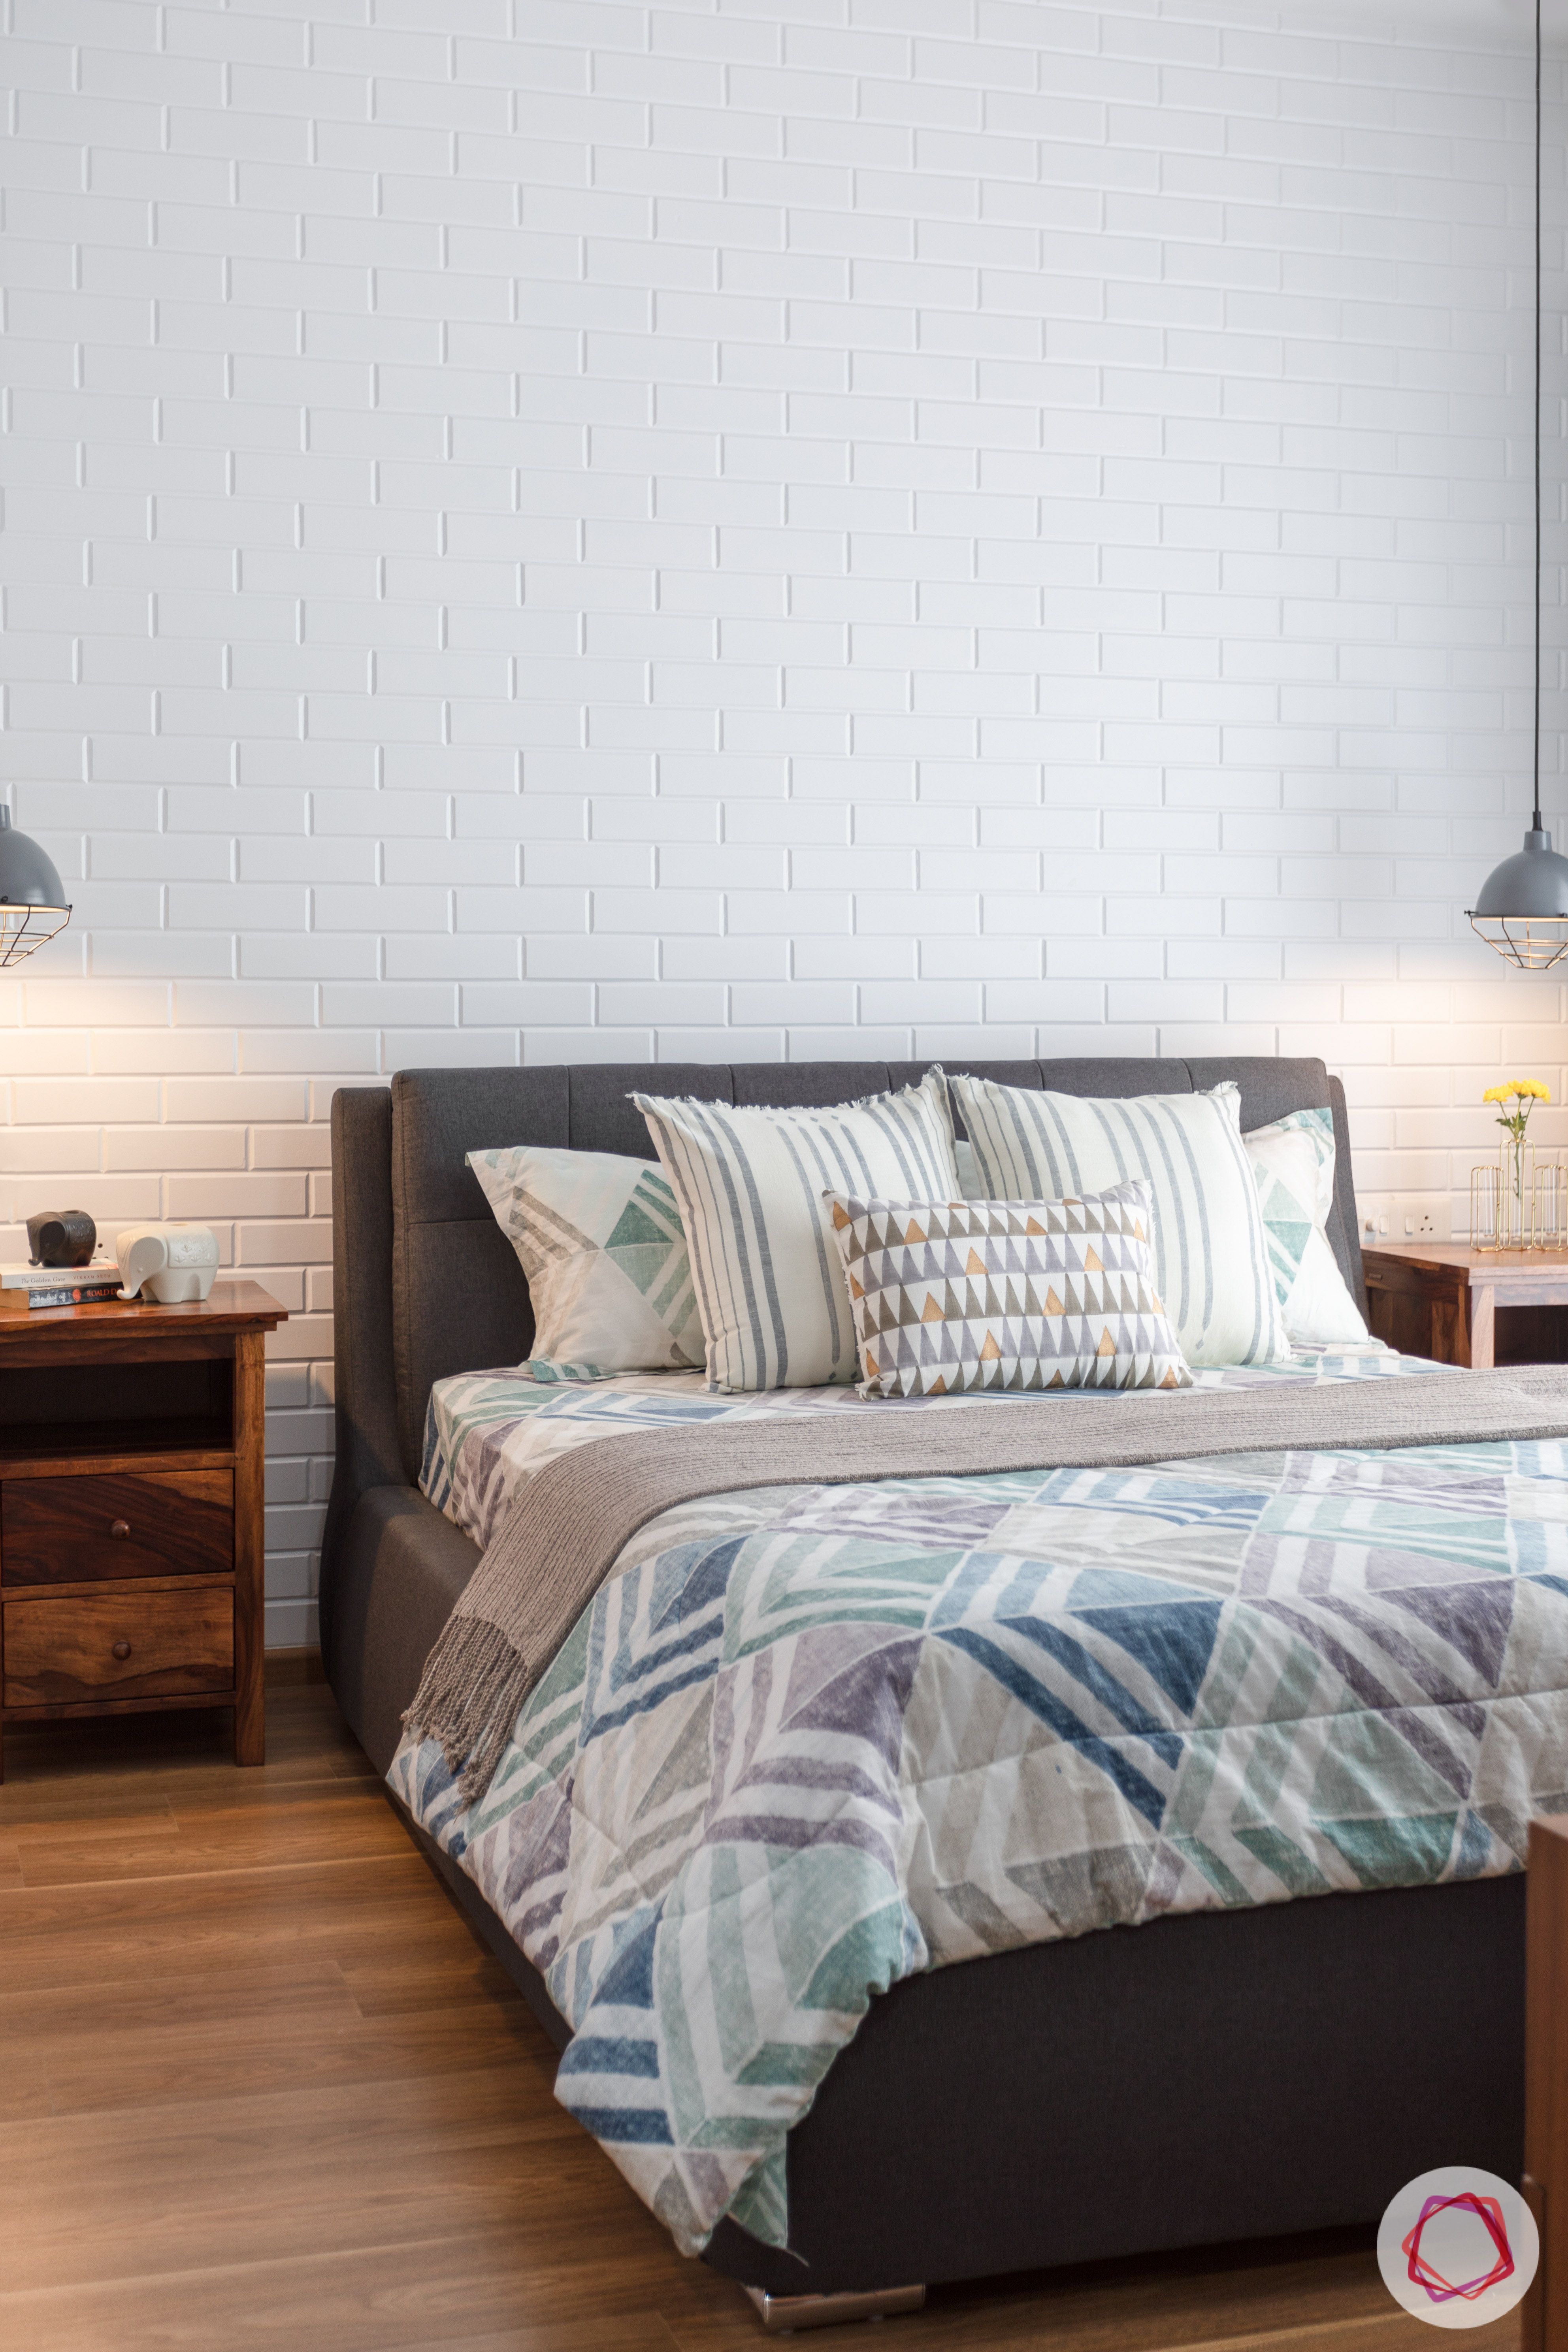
(260, 2087)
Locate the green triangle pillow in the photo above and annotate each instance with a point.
(602, 1244)
(1293, 1164)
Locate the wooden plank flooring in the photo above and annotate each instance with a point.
(259, 2087)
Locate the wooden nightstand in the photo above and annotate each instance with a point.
(132, 1538)
(1462, 1306)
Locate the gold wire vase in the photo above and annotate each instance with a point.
(1503, 1200)
(1516, 1193)
(1485, 1192)
(1550, 1205)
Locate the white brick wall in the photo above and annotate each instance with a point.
(547, 529)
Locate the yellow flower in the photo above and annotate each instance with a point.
(1530, 1089)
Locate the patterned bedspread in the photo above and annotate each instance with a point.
(808, 1740)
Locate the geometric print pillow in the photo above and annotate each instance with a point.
(1293, 1162)
(961, 1295)
(602, 1244)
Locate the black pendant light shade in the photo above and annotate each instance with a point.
(1522, 906)
(33, 903)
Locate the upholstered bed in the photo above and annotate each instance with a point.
(1227, 2074)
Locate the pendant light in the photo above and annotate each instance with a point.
(33, 903)
(1522, 909)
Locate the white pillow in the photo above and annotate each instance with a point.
(1211, 1255)
(608, 1271)
(1293, 1162)
(750, 1184)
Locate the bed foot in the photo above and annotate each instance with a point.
(783, 2313)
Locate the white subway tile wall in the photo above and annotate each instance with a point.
(546, 531)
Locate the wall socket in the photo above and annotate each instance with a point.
(1392, 1221)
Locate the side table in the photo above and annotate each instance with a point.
(132, 1531)
(1443, 1300)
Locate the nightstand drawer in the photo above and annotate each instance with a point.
(116, 1523)
(119, 1645)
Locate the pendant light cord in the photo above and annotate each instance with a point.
(1536, 761)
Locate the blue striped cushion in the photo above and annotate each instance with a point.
(1211, 1255)
(750, 1184)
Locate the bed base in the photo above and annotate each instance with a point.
(781, 2314)
(1195, 2082)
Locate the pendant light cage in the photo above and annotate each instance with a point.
(1534, 942)
(23, 928)
(33, 903)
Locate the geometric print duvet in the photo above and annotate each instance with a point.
(808, 1740)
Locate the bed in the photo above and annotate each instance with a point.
(1231, 2072)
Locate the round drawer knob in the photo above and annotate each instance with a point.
(120, 1527)
(122, 1649)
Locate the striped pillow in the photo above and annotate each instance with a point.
(750, 1186)
(956, 1294)
(1211, 1258)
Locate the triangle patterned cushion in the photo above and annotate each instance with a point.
(602, 1244)
(1293, 1162)
(956, 1294)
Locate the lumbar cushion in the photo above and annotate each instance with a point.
(954, 1295)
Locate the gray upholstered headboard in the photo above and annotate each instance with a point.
(426, 1284)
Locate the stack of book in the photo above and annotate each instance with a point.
(23, 1288)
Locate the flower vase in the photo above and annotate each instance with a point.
(1516, 1194)
(1550, 1203)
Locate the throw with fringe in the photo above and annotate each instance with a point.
(570, 1523)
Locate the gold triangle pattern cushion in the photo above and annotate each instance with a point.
(950, 1296)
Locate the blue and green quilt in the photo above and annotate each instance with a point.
(808, 1740)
